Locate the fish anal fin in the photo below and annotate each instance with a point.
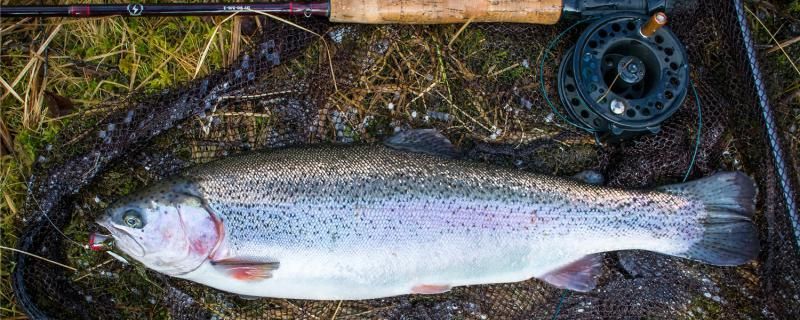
(428, 141)
(430, 288)
(580, 275)
(246, 270)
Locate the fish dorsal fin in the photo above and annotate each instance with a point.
(246, 269)
(428, 141)
(580, 275)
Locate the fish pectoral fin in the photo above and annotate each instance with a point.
(245, 269)
(430, 288)
(580, 275)
(428, 141)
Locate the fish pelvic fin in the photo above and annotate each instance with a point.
(580, 275)
(246, 270)
(430, 288)
(729, 237)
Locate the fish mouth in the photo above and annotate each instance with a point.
(123, 239)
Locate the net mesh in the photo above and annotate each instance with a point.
(479, 86)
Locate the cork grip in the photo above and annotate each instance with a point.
(445, 11)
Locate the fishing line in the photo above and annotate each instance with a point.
(560, 301)
(699, 131)
(542, 88)
(52, 224)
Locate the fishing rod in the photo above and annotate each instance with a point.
(363, 11)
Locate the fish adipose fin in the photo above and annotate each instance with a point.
(580, 275)
(730, 237)
(242, 269)
(428, 141)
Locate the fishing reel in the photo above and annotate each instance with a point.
(625, 76)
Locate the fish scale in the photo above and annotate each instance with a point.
(368, 221)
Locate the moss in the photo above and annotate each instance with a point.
(705, 309)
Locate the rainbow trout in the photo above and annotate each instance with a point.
(360, 222)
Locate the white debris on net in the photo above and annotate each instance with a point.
(128, 117)
(496, 133)
(366, 121)
(381, 46)
(413, 114)
(390, 106)
(527, 104)
(549, 117)
(526, 64)
(337, 34)
(440, 116)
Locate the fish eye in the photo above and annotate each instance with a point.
(132, 219)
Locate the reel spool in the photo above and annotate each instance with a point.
(625, 76)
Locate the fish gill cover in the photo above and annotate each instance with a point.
(481, 89)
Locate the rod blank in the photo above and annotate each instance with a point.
(184, 9)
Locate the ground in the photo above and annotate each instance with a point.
(51, 67)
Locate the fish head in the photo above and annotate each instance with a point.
(166, 227)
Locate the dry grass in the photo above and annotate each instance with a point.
(49, 68)
(772, 26)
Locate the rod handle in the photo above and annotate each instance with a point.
(445, 11)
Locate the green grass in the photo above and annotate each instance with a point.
(88, 62)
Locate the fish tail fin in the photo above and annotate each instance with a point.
(729, 237)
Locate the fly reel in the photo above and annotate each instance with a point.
(625, 76)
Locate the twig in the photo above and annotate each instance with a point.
(336, 312)
(38, 54)
(501, 71)
(609, 88)
(11, 90)
(327, 49)
(14, 26)
(39, 257)
(208, 44)
(460, 30)
(773, 39)
(784, 44)
(89, 272)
